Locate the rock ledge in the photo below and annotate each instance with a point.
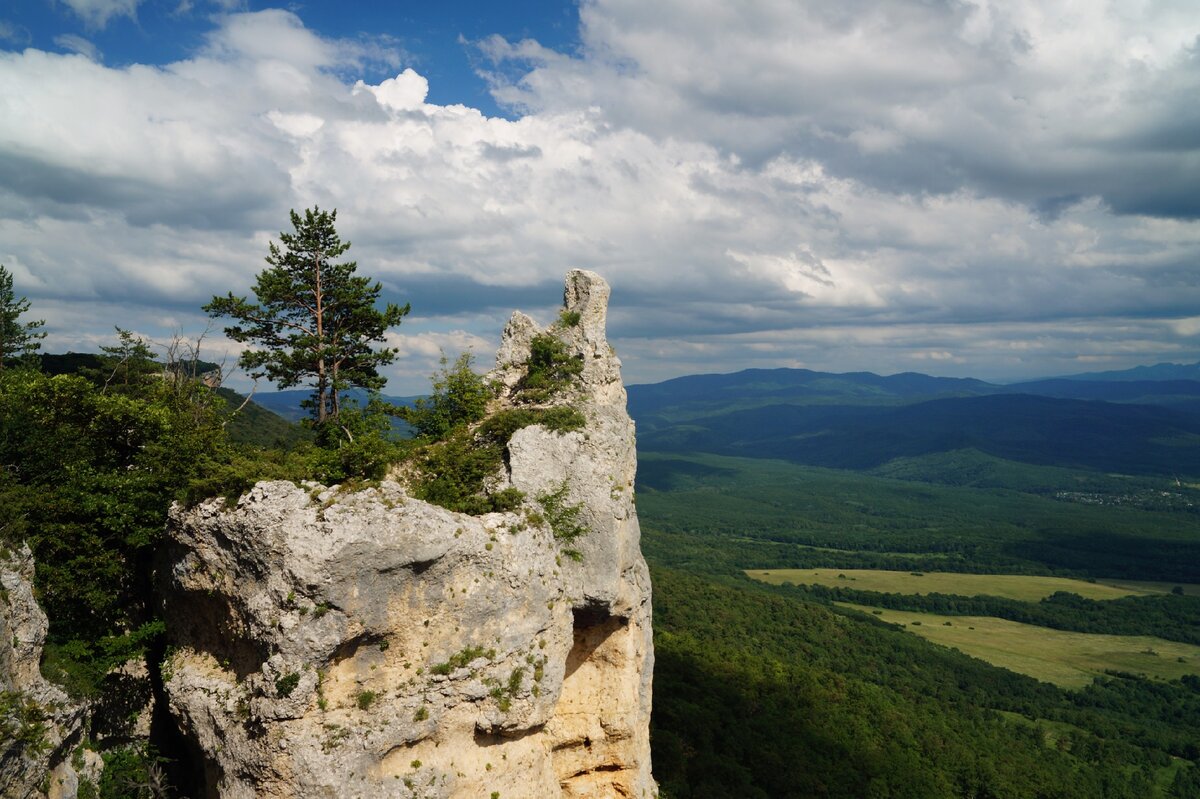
(368, 644)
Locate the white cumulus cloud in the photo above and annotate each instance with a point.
(973, 188)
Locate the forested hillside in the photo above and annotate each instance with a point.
(785, 691)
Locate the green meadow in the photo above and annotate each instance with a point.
(1067, 659)
(1022, 587)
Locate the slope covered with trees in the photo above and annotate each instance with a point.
(775, 691)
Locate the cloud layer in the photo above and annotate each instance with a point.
(998, 189)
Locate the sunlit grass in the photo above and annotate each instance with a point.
(1068, 659)
(1022, 587)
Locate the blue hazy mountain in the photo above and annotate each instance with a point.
(288, 403)
(1159, 371)
(861, 420)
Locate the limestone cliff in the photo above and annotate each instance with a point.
(39, 725)
(336, 643)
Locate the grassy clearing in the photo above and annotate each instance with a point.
(1052, 731)
(1022, 587)
(1067, 659)
(1152, 587)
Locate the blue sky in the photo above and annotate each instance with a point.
(959, 187)
(433, 37)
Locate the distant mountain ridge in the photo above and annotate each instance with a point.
(690, 396)
(860, 420)
(288, 403)
(1159, 371)
(682, 397)
(1170, 392)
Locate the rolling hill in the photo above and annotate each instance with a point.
(863, 421)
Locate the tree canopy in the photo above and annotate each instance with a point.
(315, 319)
(17, 339)
(460, 396)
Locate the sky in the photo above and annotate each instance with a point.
(1002, 190)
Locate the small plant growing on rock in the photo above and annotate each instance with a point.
(550, 369)
(23, 723)
(461, 659)
(286, 684)
(503, 694)
(563, 517)
(335, 734)
(364, 699)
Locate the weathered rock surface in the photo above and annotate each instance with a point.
(330, 643)
(39, 724)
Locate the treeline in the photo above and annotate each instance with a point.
(760, 694)
(1175, 617)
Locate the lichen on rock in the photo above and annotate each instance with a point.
(335, 643)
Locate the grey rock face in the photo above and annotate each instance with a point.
(39, 724)
(366, 644)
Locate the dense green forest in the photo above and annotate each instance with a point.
(798, 516)
(758, 693)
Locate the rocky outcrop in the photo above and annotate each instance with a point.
(337, 643)
(39, 724)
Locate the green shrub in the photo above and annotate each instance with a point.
(359, 444)
(562, 516)
(559, 419)
(460, 397)
(462, 658)
(550, 369)
(132, 771)
(453, 472)
(286, 684)
(23, 724)
(364, 699)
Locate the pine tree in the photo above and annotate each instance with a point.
(18, 340)
(315, 319)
